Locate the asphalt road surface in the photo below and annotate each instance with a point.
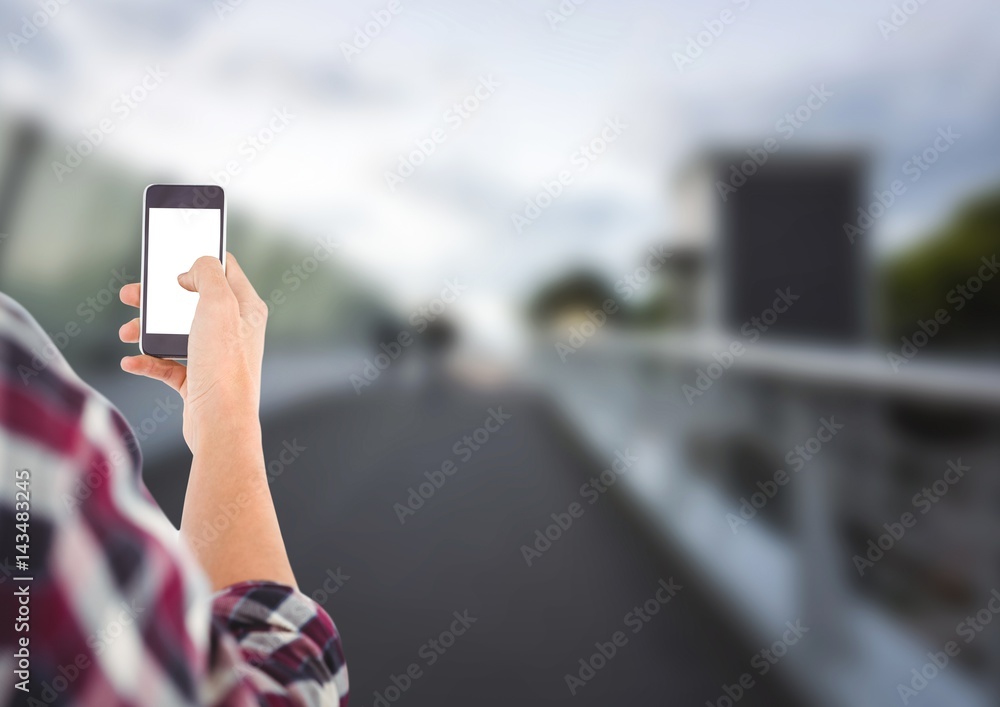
(446, 594)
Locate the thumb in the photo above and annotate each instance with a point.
(206, 277)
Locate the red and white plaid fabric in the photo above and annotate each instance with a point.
(119, 611)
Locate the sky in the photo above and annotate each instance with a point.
(350, 116)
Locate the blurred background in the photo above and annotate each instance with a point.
(728, 267)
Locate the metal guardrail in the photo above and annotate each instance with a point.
(762, 576)
(866, 369)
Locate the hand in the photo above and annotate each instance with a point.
(220, 385)
(221, 391)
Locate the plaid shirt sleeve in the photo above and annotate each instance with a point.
(118, 611)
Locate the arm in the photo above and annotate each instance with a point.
(220, 387)
(270, 643)
(228, 472)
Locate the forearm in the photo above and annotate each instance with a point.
(229, 519)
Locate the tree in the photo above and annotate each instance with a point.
(941, 274)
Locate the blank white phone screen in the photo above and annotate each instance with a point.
(176, 238)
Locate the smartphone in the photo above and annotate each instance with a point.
(181, 223)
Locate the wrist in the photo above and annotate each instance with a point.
(227, 430)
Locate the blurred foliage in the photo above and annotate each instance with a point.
(584, 291)
(916, 284)
(579, 291)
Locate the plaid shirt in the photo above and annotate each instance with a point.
(116, 610)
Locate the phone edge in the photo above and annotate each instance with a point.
(142, 271)
(142, 260)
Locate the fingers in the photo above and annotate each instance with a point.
(129, 332)
(252, 307)
(207, 278)
(238, 280)
(131, 294)
(170, 372)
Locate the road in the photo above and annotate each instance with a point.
(393, 585)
